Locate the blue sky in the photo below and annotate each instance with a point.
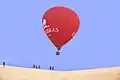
(24, 43)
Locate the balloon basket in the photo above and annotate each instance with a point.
(57, 53)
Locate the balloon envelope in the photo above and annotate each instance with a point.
(60, 25)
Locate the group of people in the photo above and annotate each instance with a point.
(51, 67)
(34, 66)
(38, 67)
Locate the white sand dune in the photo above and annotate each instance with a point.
(17, 73)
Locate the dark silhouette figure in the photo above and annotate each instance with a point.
(39, 67)
(3, 64)
(34, 66)
(50, 67)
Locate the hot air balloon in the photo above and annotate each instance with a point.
(60, 25)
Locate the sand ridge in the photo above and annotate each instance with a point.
(20, 73)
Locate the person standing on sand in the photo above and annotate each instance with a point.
(34, 66)
(39, 67)
(50, 67)
(3, 64)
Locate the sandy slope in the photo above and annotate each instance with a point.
(17, 73)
